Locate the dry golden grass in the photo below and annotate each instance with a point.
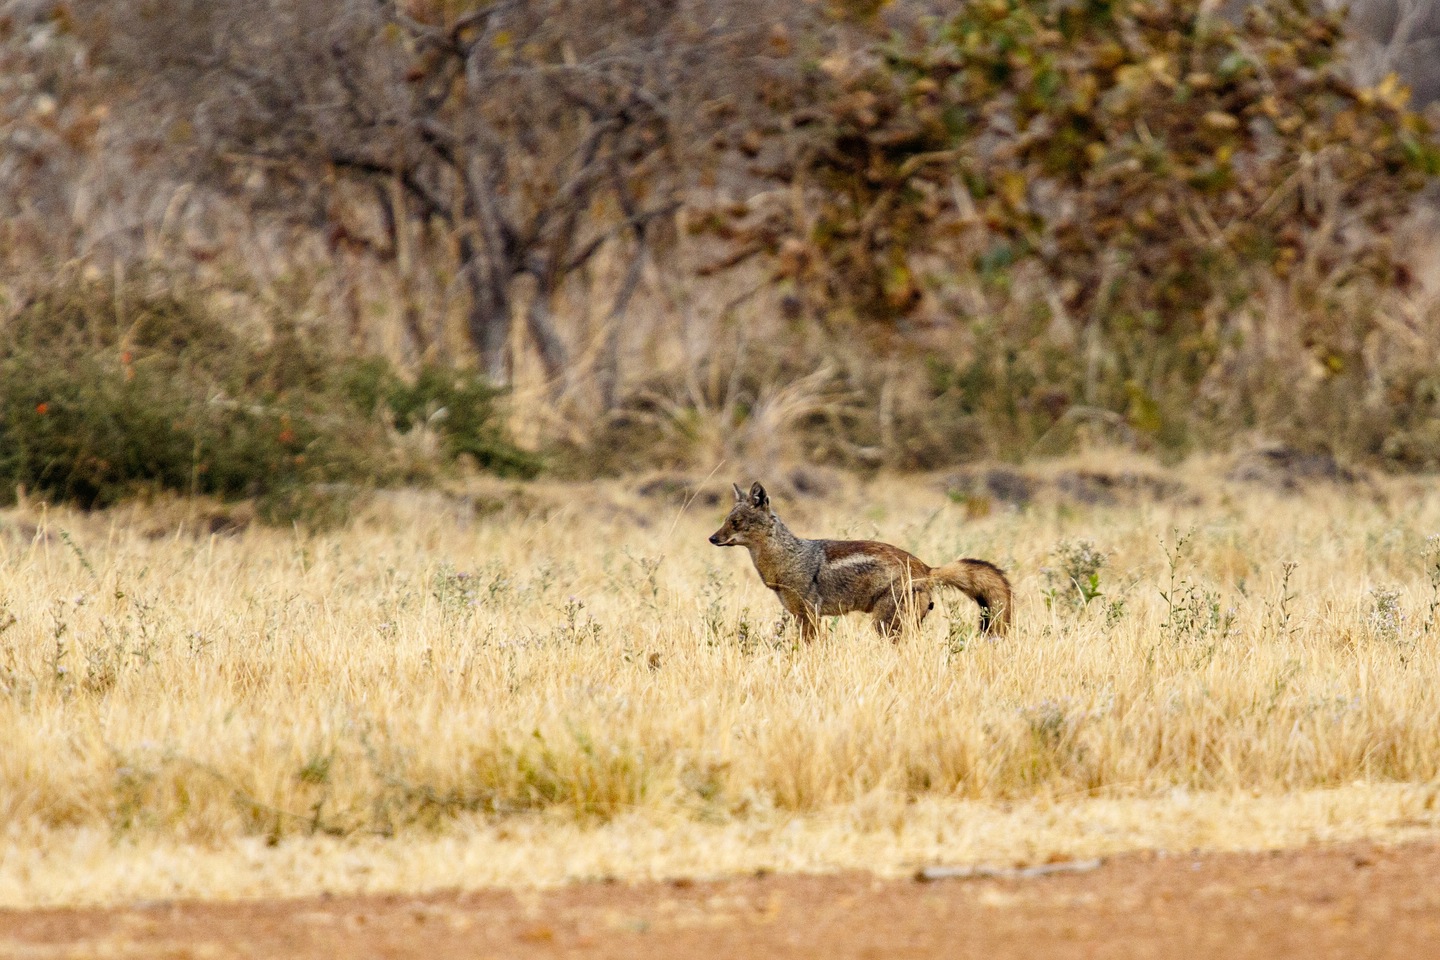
(581, 686)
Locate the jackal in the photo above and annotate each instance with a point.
(826, 578)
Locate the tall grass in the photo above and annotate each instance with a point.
(582, 658)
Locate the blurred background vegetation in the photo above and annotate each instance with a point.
(254, 248)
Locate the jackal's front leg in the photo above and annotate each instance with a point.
(805, 614)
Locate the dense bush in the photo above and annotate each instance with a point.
(1119, 201)
(1151, 156)
(989, 228)
(105, 396)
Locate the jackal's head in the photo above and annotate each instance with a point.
(750, 520)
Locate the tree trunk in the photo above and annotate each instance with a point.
(488, 319)
(609, 371)
(487, 256)
(553, 354)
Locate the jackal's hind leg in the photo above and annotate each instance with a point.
(921, 605)
(886, 618)
(893, 615)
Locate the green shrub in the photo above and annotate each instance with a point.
(461, 406)
(105, 396)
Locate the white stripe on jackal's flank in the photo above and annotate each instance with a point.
(853, 560)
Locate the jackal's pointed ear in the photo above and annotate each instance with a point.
(758, 497)
(739, 494)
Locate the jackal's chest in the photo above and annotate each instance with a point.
(792, 578)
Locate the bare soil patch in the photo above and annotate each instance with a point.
(1355, 900)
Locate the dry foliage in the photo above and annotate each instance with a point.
(506, 144)
(1117, 179)
(570, 667)
(1132, 220)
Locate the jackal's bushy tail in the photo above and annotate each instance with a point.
(986, 584)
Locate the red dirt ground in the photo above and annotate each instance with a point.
(1346, 901)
